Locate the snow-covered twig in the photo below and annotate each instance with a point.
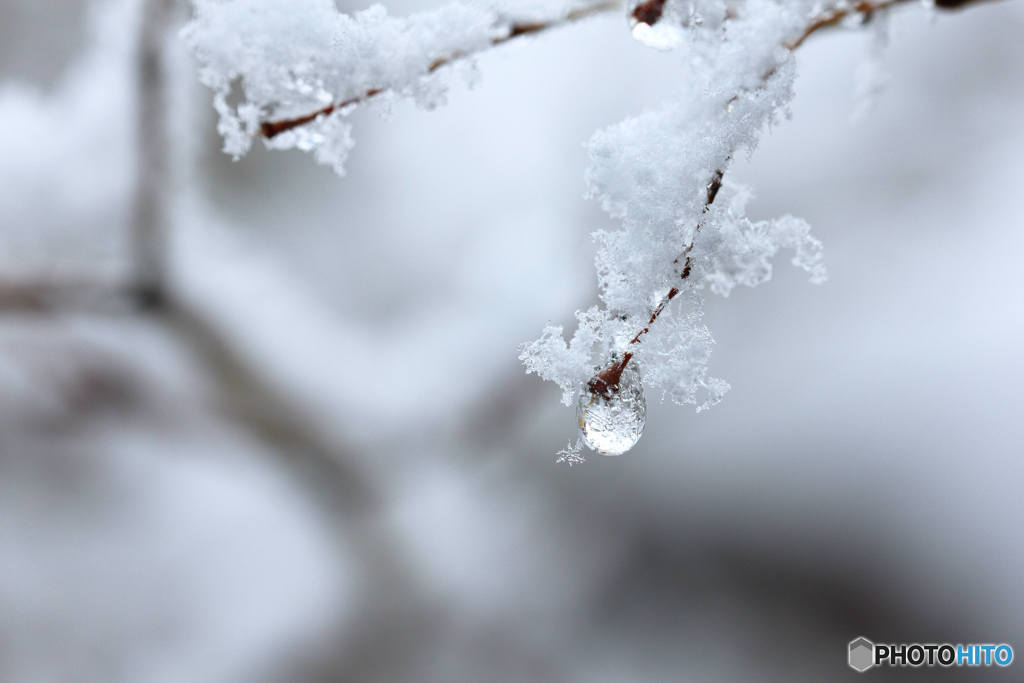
(650, 12)
(835, 15)
(607, 380)
(504, 30)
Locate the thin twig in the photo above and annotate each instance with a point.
(607, 380)
(53, 296)
(514, 30)
(835, 15)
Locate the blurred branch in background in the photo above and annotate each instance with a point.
(60, 295)
(390, 604)
(350, 502)
(150, 212)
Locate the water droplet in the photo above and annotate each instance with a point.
(612, 424)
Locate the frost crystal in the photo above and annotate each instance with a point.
(612, 423)
(572, 454)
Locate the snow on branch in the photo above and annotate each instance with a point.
(659, 174)
(290, 71)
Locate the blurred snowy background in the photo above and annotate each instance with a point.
(324, 462)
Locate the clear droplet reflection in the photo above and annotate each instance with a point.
(612, 425)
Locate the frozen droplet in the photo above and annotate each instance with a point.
(611, 424)
(663, 35)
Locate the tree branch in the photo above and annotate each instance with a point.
(54, 296)
(647, 12)
(607, 380)
(832, 17)
(512, 30)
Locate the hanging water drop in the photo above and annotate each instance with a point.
(611, 422)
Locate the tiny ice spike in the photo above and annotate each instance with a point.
(612, 424)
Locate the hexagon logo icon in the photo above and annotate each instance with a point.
(861, 654)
